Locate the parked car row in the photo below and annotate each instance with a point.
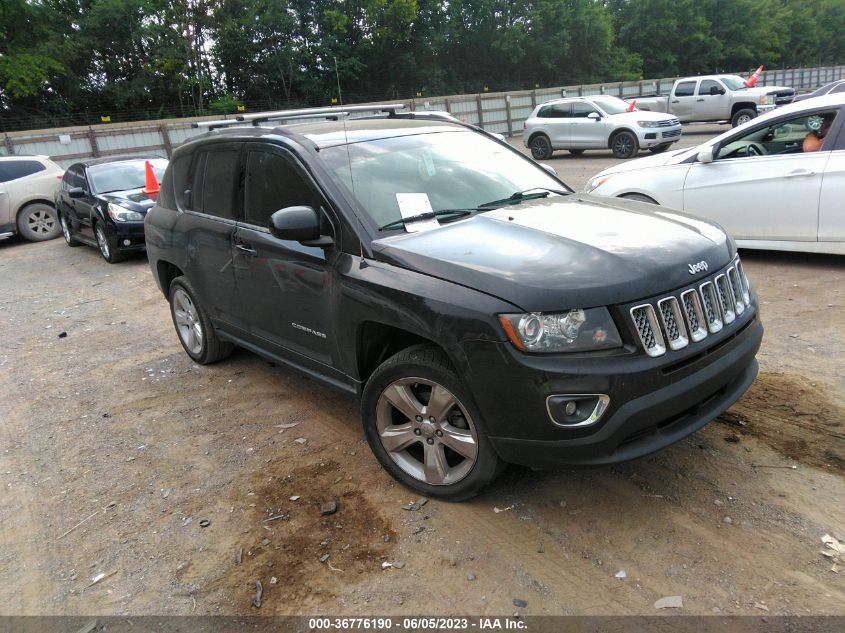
(776, 182)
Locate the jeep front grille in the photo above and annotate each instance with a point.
(647, 327)
(726, 299)
(694, 315)
(675, 321)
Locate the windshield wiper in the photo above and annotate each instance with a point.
(519, 196)
(428, 215)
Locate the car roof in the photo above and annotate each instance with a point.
(331, 133)
(118, 159)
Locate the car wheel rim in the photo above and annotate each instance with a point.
(102, 242)
(65, 230)
(426, 431)
(188, 323)
(623, 145)
(743, 119)
(540, 148)
(40, 222)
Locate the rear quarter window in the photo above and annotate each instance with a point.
(14, 169)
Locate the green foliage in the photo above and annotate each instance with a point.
(142, 57)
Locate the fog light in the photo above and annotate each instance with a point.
(577, 409)
(127, 242)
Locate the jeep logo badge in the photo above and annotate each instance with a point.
(699, 267)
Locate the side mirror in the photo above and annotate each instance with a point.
(301, 224)
(76, 192)
(705, 155)
(595, 116)
(549, 169)
(716, 90)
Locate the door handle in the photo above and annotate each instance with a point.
(799, 172)
(676, 101)
(246, 249)
(699, 99)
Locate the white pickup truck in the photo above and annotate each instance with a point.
(717, 98)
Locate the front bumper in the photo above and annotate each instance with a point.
(653, 402)
(133, 232)
(652, 136)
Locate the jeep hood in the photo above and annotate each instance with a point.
(576, 251)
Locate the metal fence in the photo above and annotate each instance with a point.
(502, 112)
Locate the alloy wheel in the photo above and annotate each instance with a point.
(426, 431)
(102, 242)
(40, 222)
(188, 322)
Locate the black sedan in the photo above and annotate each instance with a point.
(102, 203)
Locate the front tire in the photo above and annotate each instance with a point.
(743, 116)
(424, 428)
(624, 145)
(107, 244)
(38, 222)
(541, 147)
(193, 325)
(659, 149)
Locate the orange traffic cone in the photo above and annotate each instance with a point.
(151, 187)
(632, 106)
(752, 80)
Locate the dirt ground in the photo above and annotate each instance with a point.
(116, 450)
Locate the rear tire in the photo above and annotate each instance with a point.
(743, 116)
(67, 231)
(624, 144)
(424, 428)
(193, 325)
(541, 147)
(38, 222)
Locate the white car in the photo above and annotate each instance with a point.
(600, 122)
(761, 181)
(27, 186)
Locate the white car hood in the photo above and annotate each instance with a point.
(641, 115)
(648, 161)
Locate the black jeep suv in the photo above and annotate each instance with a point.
(482, 312)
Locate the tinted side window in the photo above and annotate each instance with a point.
(580, 110)
(839, 88)
(72, 177)
(707, 85)
(14, 169)
(685, 89)
(213, 183)
(558, 111)
(218, 189)
(180, 184)
(273, 183)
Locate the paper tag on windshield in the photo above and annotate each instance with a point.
(411, 204)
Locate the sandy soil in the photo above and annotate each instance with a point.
(116, 449)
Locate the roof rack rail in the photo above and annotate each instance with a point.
(303, 113)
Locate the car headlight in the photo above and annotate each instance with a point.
(596, 181)
(766, 100)
(571, 331)
(122, 214)
(647, 123)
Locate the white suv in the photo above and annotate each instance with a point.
(599, 122)
(27, 187)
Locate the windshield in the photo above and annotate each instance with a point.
(123, 175)
(733, 82)
(612, 105)
(454, 169)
